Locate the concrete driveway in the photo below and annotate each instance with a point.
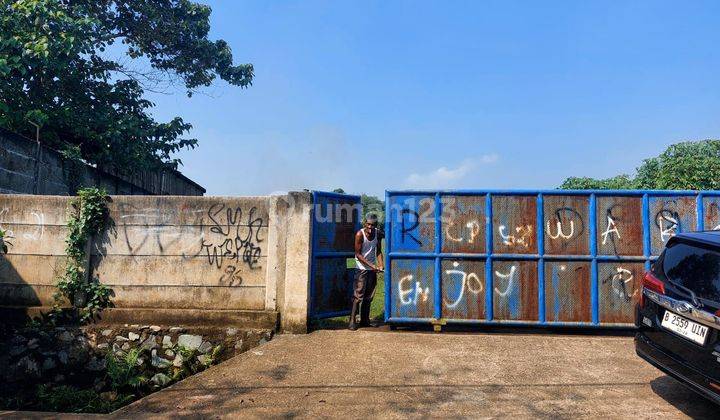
(410, 374)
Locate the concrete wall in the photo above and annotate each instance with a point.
(18, 173)
(201, 259)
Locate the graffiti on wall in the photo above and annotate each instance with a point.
(35, 226)
(228, 238)
(239, 241)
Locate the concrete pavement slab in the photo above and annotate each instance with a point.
(367, 373)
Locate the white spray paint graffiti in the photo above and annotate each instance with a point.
(560, 232)
(469, 280)
(8, 232)
(611, 228)
(510, 278)
(622, 283)
(474, 227)
(38, 229)
(520, 238)
(411, 296)
(668, 226)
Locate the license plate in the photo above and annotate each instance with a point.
(684, 327)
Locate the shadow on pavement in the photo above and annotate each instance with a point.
(683, 398)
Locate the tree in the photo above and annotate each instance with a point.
(80, 68)
(620, 182)
(691, 165)
(372, 204)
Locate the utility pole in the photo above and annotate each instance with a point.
(38, 156)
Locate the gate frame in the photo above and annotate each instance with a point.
(437, 255)
(315, 254)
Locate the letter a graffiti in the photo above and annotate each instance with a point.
(611, 228)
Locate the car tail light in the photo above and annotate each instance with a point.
(652, 283)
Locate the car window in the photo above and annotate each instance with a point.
(694, 267)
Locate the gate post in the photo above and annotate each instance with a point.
(296, 287)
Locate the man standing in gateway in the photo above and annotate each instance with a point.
(368, 252)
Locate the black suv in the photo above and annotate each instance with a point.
(678, 313)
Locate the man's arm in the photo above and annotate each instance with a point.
(358, 251)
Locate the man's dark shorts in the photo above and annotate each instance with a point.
(364, 285)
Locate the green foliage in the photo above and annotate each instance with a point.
(124, 372)
(72, 165)
(65, 398)
(372, 204)
(620, 182)
(3, 241)
(81, 68)
(88, 216)
(691, 165)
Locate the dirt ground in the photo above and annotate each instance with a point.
(371, 373)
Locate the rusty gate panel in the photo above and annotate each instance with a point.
(463, 289)
(463, 223)
(568, 291)
(711, 216)
(618, 290)
(492, 266)
(332, 285)
(566, 225)
(668, 217)
(412, 288)
(336, 222)
(619, 226)
(515, 294)
(412, 223)
(514, 220)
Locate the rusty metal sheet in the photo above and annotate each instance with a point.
(412, 288)
(618, 291)
(463, 289)
(335, 221)
(514, 220)
(568, 291)
(463, 224)
(566, 225)
(412, 223)
(515, 294)
(619, 226)
(711, 206)
(332, 285)
(668, 217)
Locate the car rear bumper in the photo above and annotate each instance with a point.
(675, 368)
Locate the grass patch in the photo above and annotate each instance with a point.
(377, 308)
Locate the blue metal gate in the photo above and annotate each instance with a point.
(554, 257)
(336, 218)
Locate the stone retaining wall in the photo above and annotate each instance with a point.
(78, 357)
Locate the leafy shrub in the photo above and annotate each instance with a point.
(125, 372)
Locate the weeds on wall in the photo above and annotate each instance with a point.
(4, 243)
(88, 217)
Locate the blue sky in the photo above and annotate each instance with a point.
(379, 95)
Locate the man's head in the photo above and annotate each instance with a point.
(371, 221)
